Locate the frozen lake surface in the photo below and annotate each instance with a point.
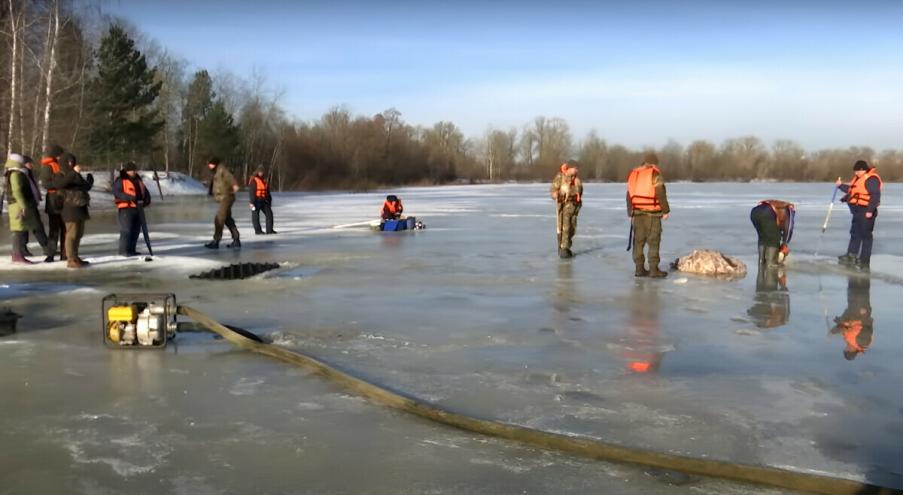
(476, 313)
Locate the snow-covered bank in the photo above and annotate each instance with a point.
(172, 183)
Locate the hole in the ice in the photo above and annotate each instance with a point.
(237, 271)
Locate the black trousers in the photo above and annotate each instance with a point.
(56, 234)
(861, 234)
(129, 231)
(766, 224)
(262, 206)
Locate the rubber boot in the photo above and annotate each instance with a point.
(641, 271)
(564, 253)
(654, 272)
(212, 245)
(20, 259)
(771, 257)
(847, 259)
(762, 258)
(862, 266)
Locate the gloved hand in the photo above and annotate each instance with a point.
(253, 208)
(90, 179)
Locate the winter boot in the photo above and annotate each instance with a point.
(212, 245)
(48, 259)
(258, 232)
(862, 266)
(272, 232)
(771, 257)
(236, 244)
(20, 259)
(847, 259)
(641, 271)
(654, 272)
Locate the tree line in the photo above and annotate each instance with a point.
(95, 86)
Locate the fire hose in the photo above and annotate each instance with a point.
(581, 446)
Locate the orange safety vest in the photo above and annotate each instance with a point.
(851, 330)
(641, 190)
(393, 208)
(859, 195)
(262, 189)
(128, 187)
(54, 168)
(577, 195)
(777, 215)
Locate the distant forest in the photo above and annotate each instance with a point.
(101, 89)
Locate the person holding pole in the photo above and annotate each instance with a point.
(129, 193)
(863, 196)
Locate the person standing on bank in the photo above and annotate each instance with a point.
(129, 193)
(73, 188)
(223, 187)
(260, 200)
(647, 206)
(570, 198)
(773, 220)
(863, 196)
(53, 202)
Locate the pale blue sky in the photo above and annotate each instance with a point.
(823, 73)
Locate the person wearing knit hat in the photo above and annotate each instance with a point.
(863, 196)
(647, 206)
(569, 200)
(73, 188)
(53, 202)
(260, 200)
(23, 205)
(223, 187)
(129, 194)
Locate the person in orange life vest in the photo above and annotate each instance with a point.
(53, 202)
(392, 208)
(128, 193)
(647, 206)
(773, 220)
(856, 325)
(569, 196)
(863, 195)
(260, 200)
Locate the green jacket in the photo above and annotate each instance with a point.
(223, 182)
(23, 206)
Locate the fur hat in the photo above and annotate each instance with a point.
(651, 158)
(53, 150)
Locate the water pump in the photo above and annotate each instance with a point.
(139, 321)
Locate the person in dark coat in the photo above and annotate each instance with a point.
(40, 234)
(129, 194)
(261, 201)
(73, 188)
(53, 205)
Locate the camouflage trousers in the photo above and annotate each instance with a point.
(567, 219)
(647, 230)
